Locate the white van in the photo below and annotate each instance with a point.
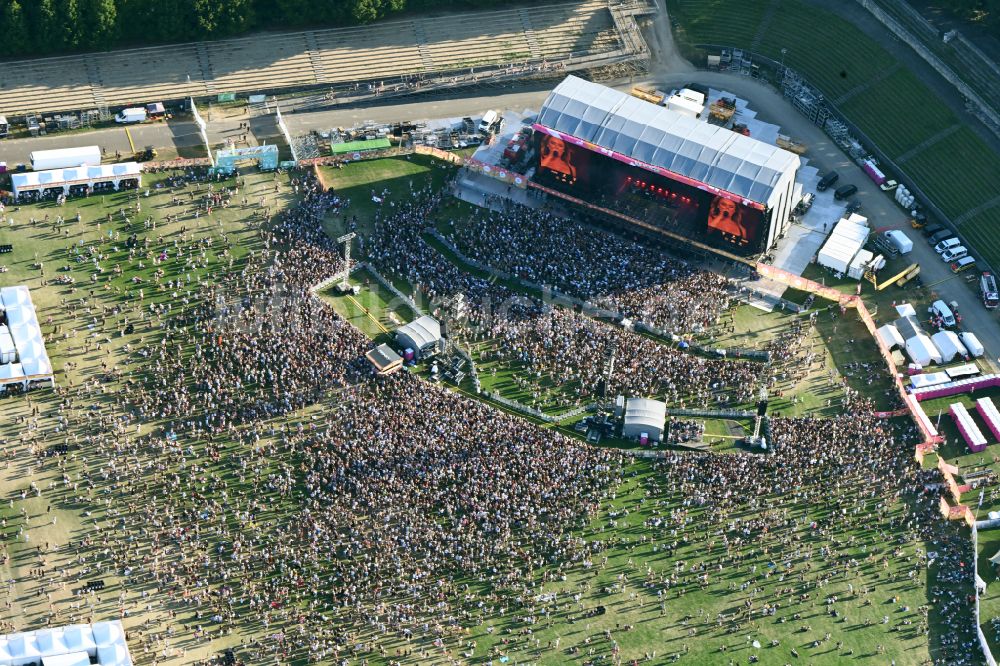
(135, 114)
(489, 118)
(947, 244)
(940, 309)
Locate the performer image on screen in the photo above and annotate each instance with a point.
(726, 216)
(555, 159)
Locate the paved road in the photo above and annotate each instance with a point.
(174, 136)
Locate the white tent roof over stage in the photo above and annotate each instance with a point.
(666, 139)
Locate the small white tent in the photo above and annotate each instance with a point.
(107, 633)
(921, 350)
(114, 655)
(644, 416)
(22, 648)
(856, 270)
(949, 345)
(837, 253)
(890, 336)
(80, 637)
(50, 641)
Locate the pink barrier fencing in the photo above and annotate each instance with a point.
(956, 387)
(989, 412)
(967, 427)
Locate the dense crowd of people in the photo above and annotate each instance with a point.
(252, 475)
(639, 282)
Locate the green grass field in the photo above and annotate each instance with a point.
(897, 111)
(670, 588)
(391, 179)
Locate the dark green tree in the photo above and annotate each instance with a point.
(14, 27)
(67, 19)
(216, 18)
(100, 18)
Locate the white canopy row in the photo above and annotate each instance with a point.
(74, 645)
(22, 350)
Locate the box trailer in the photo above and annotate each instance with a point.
(65, 158)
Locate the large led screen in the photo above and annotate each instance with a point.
(638, 192)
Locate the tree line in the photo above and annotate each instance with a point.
(45, 27)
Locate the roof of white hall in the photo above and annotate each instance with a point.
(422, 332)
(666, 139)
(645, 413)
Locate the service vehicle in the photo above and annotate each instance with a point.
(954, 254)
(940, 309)
(947, 244)
(489, 120)
(988, 291)
(899, 240)
(65, 158)
(805, 203)
(963, 264)
(931, 229)
(936, 238)
(827, 180)
(135, 114)
(845, 191)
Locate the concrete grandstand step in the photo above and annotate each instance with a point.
(425, 53)
(314, 57)
(372, 54)
(205, 63)
(529, 34)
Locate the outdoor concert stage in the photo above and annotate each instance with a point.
(601, 147)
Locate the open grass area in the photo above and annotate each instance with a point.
(897, 110)
(375, 310)
(391, 179)
(646, 580)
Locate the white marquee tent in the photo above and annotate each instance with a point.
(644, 416)
(844, 244)
(100, 644)
(890, 336)
(63, 179)
(949, 345)
(23, 358)
(420, 335)
(922, 350)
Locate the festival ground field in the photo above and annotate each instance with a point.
(669, 588)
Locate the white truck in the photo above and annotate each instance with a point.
(134, 114)
(65, 158)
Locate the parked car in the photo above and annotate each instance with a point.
(932, 229)
(827, 180)
(947, 244)
(845, 191)
(853, 207)
(954, 254)
(939, 236)
(940, 309)
(963, 264)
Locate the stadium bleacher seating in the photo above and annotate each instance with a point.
(274, 61)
